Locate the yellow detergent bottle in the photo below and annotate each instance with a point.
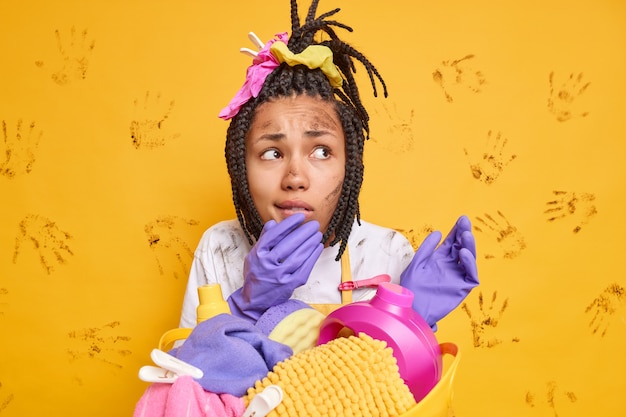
(211, 304)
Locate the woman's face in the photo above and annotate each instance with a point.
(295, 159)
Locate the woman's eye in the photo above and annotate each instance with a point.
(321, 153)
(270, 155)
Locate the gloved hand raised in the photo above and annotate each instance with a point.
(279, 262)
(441, 277)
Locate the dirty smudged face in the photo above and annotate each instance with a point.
(295, 159)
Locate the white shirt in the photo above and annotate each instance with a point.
(219, 258)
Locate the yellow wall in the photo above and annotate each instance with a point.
(112, 166)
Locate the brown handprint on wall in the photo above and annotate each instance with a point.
(549, 401)
(485, 322)
(564, 97)
(99, 343)
(5, 400)
(50, 242)
(509, 240)
(566, 204)
(396, 129)
(488, 168)
(75, 54)
(3, 293)
(147, 129)
(605, 307)
(416, 236)
(168, 246)
(457, 75)
(19, 149)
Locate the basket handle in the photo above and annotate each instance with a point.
(171, 336)
(448, 348)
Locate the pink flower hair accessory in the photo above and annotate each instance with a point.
(270, 56)
(262, 65)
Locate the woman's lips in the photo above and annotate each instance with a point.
(288, 208)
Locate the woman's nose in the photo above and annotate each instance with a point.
(295, 177)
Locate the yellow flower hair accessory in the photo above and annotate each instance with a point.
(313, 56)
(268, 58)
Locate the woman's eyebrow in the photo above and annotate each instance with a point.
(321, 126)
(274, 137)
(324, 122)
(317, 133)
(312, 133)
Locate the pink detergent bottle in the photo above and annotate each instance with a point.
(389, 316)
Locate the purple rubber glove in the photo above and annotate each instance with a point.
(441, 277)
(279, 262)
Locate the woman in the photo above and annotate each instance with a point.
(294, 151)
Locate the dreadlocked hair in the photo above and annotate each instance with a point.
(286, 81)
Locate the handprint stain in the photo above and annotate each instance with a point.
(416, 236)
(487, 320)
(147, 130)
(19, 149)
(488, 168)
(166, 243)
(50, 242)
(4, 402)
(398, 133)
(457, 75)
(563, 98)
(98, 344)
(570, 204)
(75, 55)
(508, 238)
(604, 308)
(3, 293)
(552, 396)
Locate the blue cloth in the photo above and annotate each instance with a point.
(232, 353)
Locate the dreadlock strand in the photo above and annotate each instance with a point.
(326, 27)
(329, 14)
(352, 91)
(372, 71)
(310, 16)
(348, 206)
(295, 19)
